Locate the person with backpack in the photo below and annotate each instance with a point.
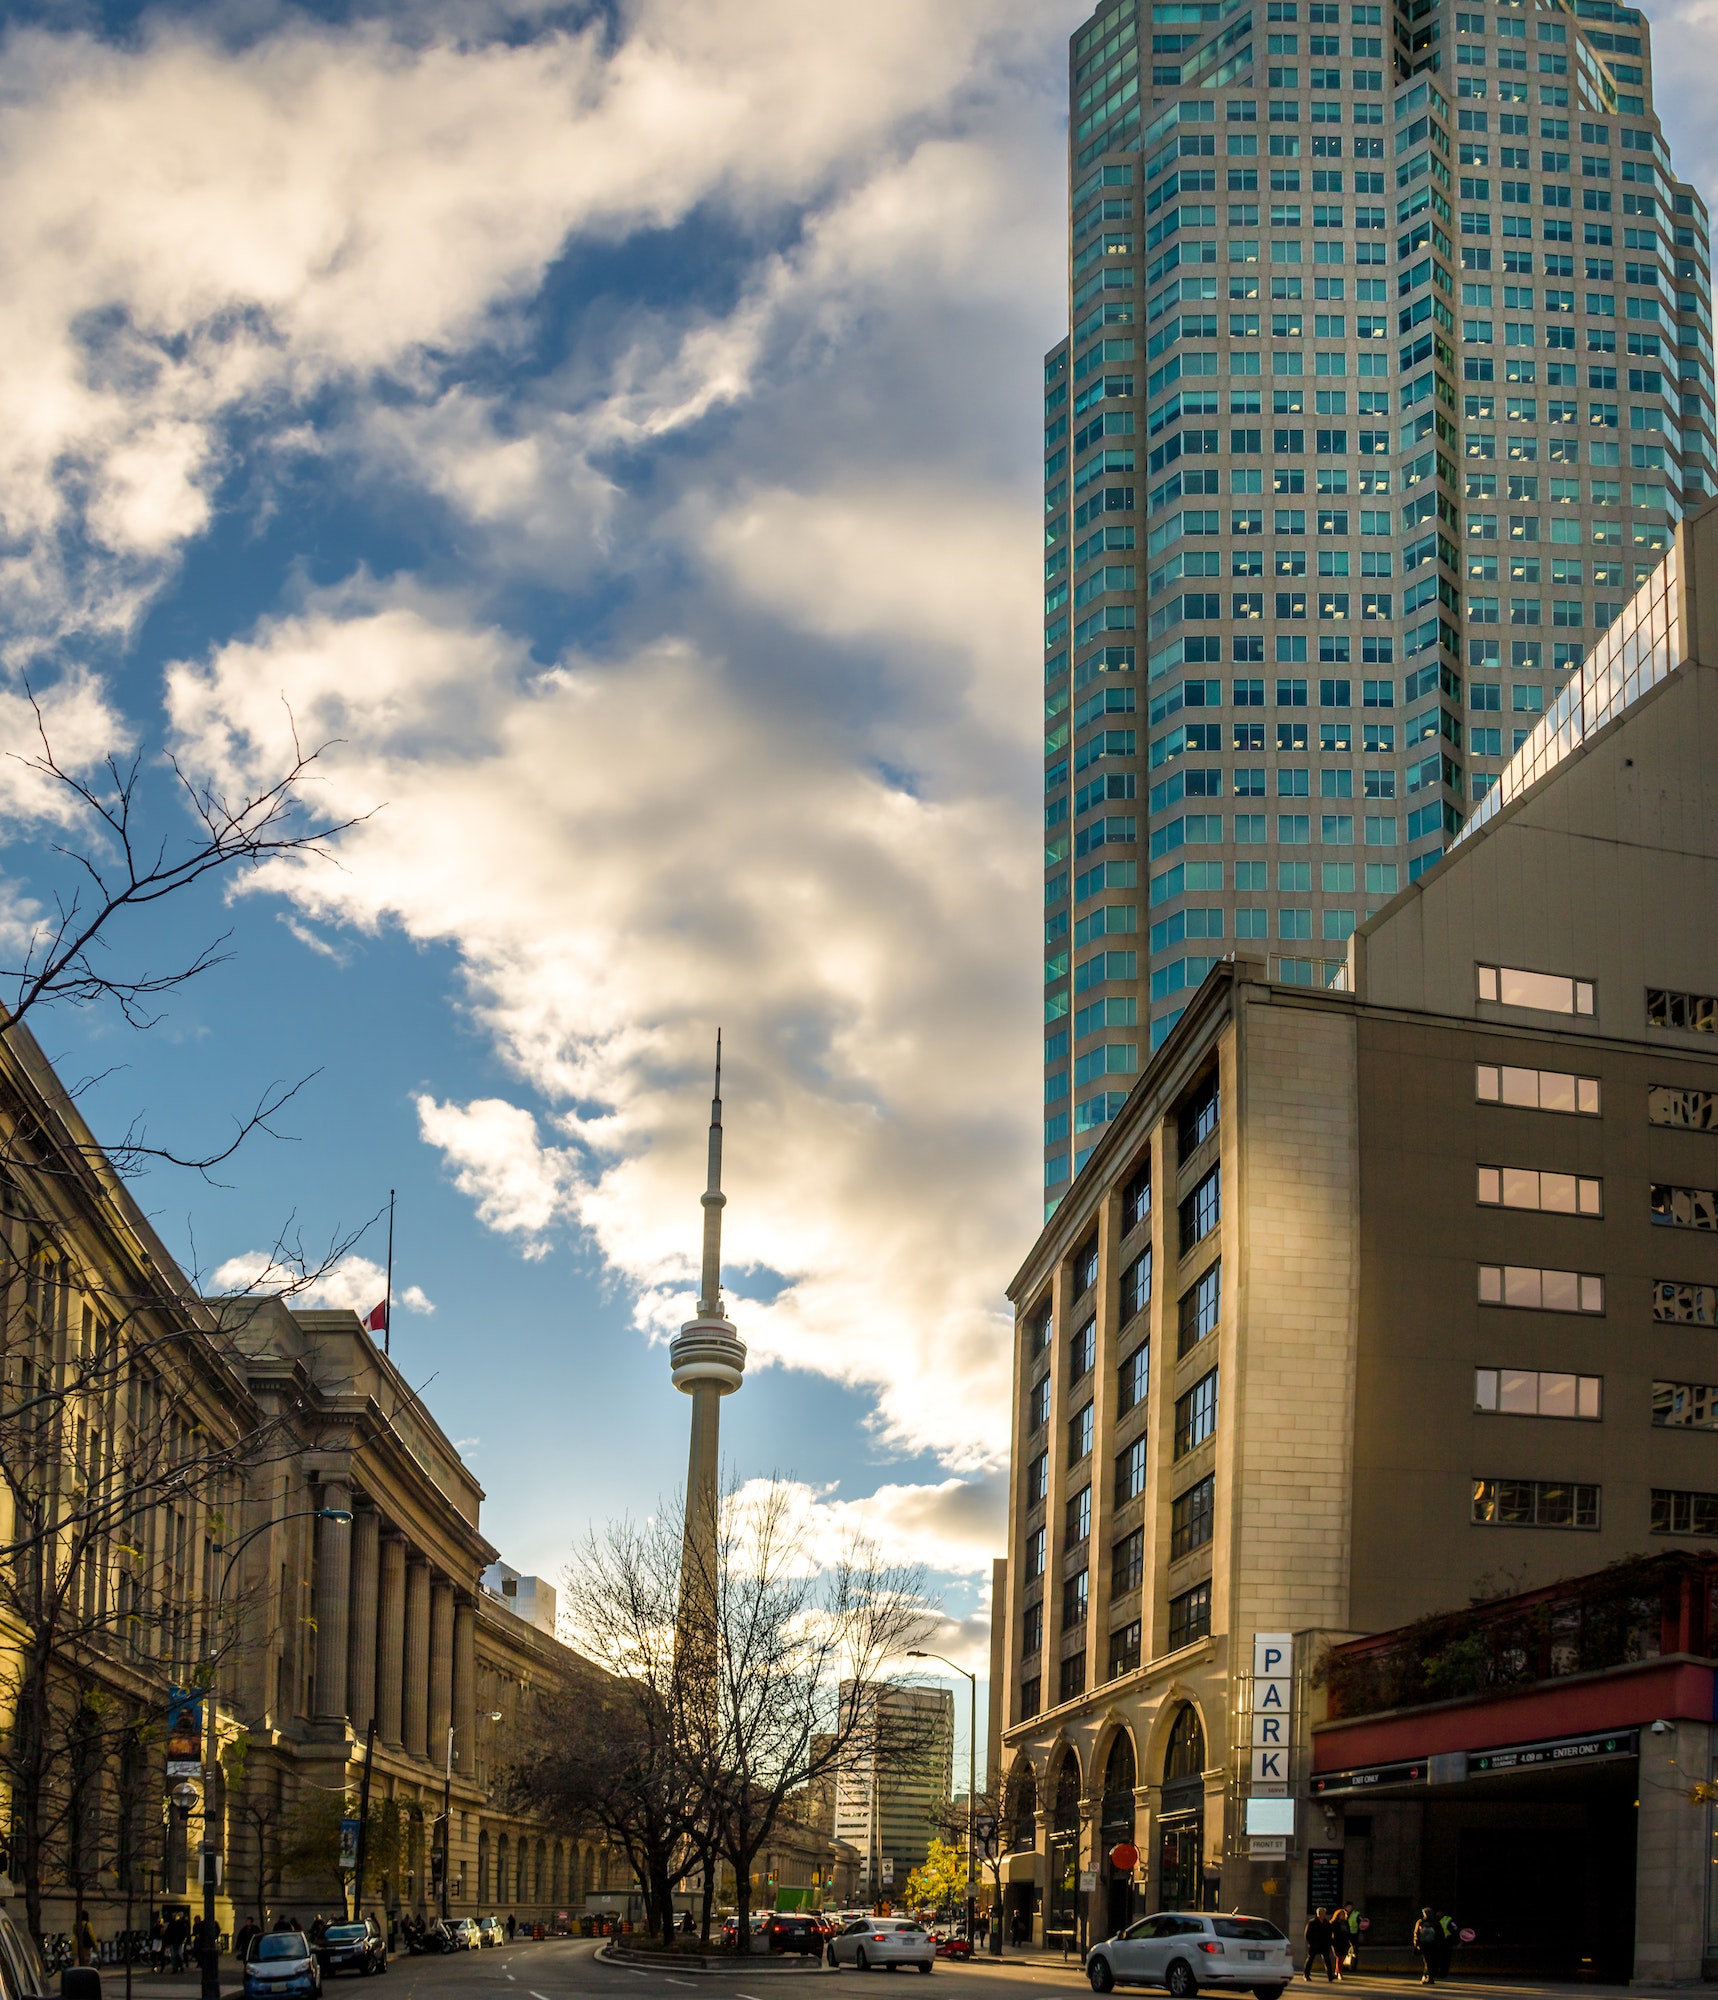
(1449, 1936)
(1318, 1942)
(1428, 1942)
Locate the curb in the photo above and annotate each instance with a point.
(772, 1965)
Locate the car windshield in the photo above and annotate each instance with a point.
(346, 1933)
(280, 1944)
(1254, 1929)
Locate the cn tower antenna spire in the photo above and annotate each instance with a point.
(713, 1202)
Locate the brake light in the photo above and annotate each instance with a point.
(1207, 1945)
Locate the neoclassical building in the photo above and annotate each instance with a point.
(384, 1621)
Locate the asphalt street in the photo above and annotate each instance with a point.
(569, 1969)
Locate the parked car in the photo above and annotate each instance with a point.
(491, 1930)
(889, 1941)
(353, 1948)
(954, 1946)
(20, 1962)
(1185, 1952)
(466, 1935)
(796, 1931)
(281, 1963)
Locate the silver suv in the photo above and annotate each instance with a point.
(1185, 1952)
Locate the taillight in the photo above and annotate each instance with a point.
(1207, 1945)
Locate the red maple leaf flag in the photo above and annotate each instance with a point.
(376, 1320)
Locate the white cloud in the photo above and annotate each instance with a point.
(519, 1185)
(357, 1283)
(189, 231)
(793, 792)
(868, 952)
(953, 1527)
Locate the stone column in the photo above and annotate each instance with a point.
(361, 1642)
(1672, 1861)
(415, 1680)
(333, 1587)
(440, 1669)
(391, 1641)
(465, 1688)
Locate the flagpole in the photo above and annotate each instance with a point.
(388, 1295)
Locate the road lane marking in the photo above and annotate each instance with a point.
(677, 1982)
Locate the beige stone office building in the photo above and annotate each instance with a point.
(1372, 1301)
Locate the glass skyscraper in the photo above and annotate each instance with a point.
(1390, 370)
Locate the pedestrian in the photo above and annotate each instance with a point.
(318, 1928)
(247, 1931)
(1341, 1940)
(1317, 1938)
(83, 1938)
(1447, 1944)
(178, 1936)
(1428, 1942)
(1018, 1930)
(157, 1943)
(512, 1926)
(205, 1937)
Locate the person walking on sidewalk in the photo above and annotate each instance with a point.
(1317, 1935)
(1341, 1940)
(1429, 1943)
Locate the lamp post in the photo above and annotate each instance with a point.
(210, 1956)
(447, 1810)
(914, 1653)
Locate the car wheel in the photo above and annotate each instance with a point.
(1102, 1977)
(894, 1965)
(1181, 1982)
(829, 1958)
(861, 1961)
(1267, 1993)
(924, 1965)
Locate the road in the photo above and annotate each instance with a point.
(569, 1969)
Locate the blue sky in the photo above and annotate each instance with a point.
(614, 432)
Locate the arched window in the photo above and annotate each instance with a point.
(540, 1873)
(1119, 1780)
(1023, 1807)
(1065, 1847)
(503, 1887)
(483, 1866)
(1184, 1758)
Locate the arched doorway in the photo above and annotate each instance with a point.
(1021, 1899)
(1115, 1829)
(1181, 1816)
(1063, 1915)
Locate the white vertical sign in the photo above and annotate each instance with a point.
(1273, 1709)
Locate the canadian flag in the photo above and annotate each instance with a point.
(376, 1320)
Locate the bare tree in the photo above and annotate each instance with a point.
(804, 1659)
(614, 1750)
(119, 867)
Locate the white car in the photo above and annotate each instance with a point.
(1186, 1952)
(885, 1941)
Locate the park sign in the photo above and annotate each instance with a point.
(1273, 1711)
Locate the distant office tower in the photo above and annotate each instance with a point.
(527, 1597)
(1390, 373)
(887, 1806)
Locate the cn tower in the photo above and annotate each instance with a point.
(709, 1361)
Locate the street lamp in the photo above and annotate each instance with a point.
(913, 1653)
(447, 1810)
(209, 1957)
